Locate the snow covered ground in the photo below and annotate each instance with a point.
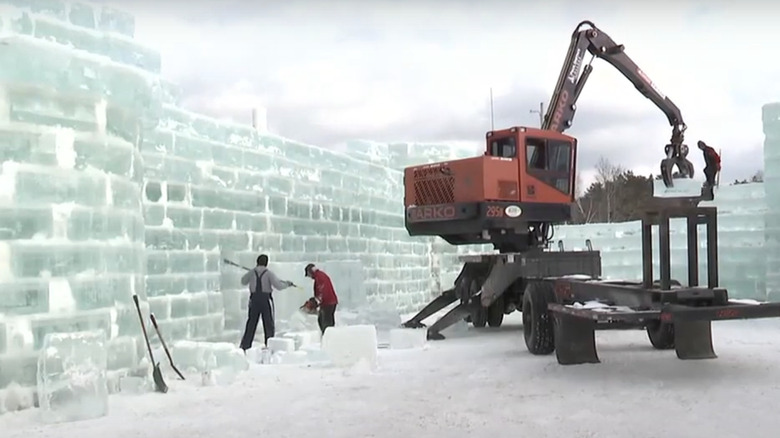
(477, 385)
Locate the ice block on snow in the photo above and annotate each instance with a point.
(346, 346)
(72, 383)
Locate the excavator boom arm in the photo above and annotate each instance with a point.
(572, 79)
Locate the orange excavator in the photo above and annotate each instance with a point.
(512, 196)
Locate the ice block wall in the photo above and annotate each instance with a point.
(741, 210)
(771, 122)
(442, 257)
(71, 225)
(109, 189)
(218, 190)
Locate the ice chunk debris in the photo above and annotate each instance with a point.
(15, 398)
(346, 346)
(382, 315)
(403, 338)
(600, 307)
(217, 362)
(304, 338)
(72, 381)
(281, 345)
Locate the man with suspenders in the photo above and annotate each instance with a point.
(262, 282)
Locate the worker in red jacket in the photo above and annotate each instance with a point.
(325, 295)
(711, 163)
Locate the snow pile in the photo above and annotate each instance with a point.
(216, 362)
(405, 338)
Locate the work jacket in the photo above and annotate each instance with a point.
(323, 289)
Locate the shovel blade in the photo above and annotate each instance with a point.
(159, 382)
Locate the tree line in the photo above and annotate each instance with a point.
(618, 194)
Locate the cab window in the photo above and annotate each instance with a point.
(503, 147)
(550, 162)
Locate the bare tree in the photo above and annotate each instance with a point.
(758, 176)
(606, 175)
(585, 205)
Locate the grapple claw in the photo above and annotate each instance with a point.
(684, 167)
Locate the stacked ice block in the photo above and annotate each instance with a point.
(741, 211)
(771, 122)
(74, 91)
(217, 190)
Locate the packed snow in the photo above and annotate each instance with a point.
(478, 383)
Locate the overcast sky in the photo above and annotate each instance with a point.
(420, 71)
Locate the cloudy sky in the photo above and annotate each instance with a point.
(421, 70)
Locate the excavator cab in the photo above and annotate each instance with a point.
(507, 197)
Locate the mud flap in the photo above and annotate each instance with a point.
(445, 299)
(575, 340)
(454, 315)
(693, 340)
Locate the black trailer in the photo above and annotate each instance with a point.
(564, 302)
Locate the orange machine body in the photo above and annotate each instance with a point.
(526, 176)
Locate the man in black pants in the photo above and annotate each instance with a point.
(711, 162)
(261, 283)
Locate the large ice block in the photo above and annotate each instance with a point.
(72, 381)
(346, 346)
(683, 188)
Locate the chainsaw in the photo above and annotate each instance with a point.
(310, 306)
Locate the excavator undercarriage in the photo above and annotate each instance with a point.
(491, 285)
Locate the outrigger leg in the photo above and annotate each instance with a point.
(445, 299)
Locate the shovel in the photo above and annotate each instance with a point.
(159, 383)
(165, 347)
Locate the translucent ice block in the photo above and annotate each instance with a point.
(72, 381)
(346, 346)
(683, 188)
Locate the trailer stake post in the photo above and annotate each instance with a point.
(692, 222)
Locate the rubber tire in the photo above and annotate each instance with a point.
(661, 335)
(480, 317)
(495, 313)
(538, 323)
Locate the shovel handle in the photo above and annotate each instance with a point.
(232, 263)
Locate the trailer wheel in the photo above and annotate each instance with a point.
(480, 316)
(537, 321)
(661, 335)
(495, 313)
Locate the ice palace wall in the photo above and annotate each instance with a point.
(109, 189)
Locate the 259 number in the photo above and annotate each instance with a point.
(494, 211)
